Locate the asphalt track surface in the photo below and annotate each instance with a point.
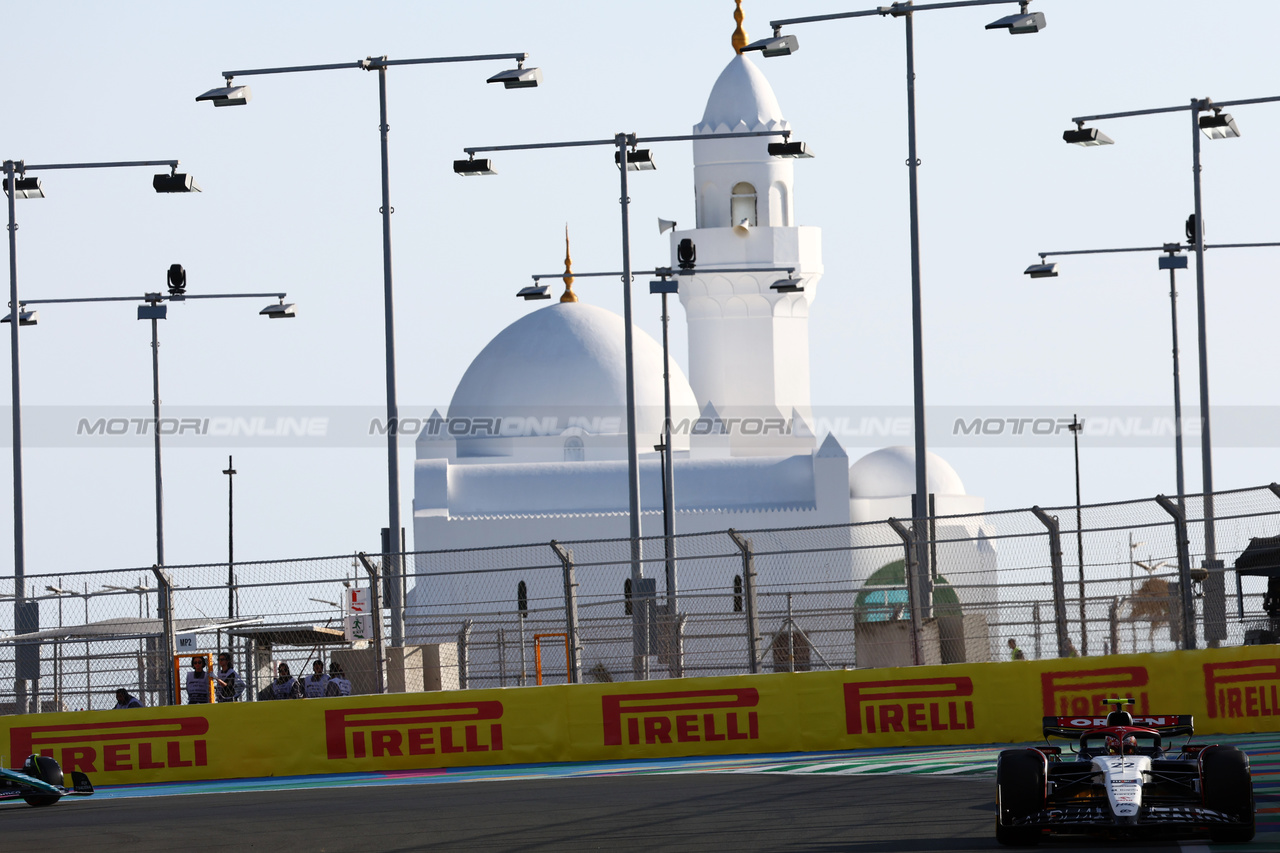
(693, 812)
(900, 799)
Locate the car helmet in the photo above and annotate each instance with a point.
(1113, 745)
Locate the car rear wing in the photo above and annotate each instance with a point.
(1072, 727)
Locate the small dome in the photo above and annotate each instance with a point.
(741, 100)
(891, 473)
(567, 361)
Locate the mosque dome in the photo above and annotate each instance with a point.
(741, 100)
(567, 361)
(891, 473)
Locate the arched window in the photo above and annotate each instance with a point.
(626, 596)
(522, 598)
(573, 449)
(737, 593)
(742, 205)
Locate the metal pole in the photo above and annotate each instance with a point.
(1206, 443)
(921, 509)
(19, 557)
(231, 541)
(669, 503)
(639, 623)
(393, 566)
(155, 402)
(1177, 394)
(1076, 427)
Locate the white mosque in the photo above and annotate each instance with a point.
(533, 447)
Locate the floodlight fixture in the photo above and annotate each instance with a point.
(1021, 23)
(472, 166)
(1220, 125)
(687, 254)
(664, 285)
(280, 311)
(790, 150)
(177, 182)
(534, 291)
(638, 160)
(778, 45)
(787, 285)
(518, 78)
(227, 96)
(1042, 270)
(25, 318)
(177, 279)
(1086, 137)
(25, 188)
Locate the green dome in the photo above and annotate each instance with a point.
(885, 593)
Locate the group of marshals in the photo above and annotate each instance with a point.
(229, 686)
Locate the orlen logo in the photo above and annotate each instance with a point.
(1080, 692)
(1255, 695)
(119, 745)
(395, 730)
(1099, 722)
(723, 716)
(939, 705)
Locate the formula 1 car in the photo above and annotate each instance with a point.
(1124, 782)
(40, 782)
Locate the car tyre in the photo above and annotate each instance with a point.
(1019, 793)
(46, 769)
(1228, 788)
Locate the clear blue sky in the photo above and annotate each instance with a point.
(291, 202)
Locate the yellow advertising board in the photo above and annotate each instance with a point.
(1228, 690)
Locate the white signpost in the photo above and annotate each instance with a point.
(357, 619)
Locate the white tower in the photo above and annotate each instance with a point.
(748, 343)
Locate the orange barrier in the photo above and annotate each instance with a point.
(537, 652)
(1228, 690)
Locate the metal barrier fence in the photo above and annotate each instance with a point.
(986, 586)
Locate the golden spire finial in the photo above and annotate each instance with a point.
(739, 34)
(568, 295)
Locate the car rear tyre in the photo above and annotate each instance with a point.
(1019, 793)
(1228, 788)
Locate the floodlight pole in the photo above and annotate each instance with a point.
(1196, 105)
(621, 142)
(920, 510)
(154, 300)
(393, 580)
(11, 170)
(1172, 250)
(155, 404)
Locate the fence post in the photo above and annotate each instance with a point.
(375, 602)
(574, 664)
(909, 571)
(164, 582)
(1188, 606)
(1059, 582)
(464, 641)
(749, 600)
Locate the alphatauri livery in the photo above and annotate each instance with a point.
(1120, 779)
(41, 781)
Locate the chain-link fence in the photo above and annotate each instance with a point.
(1091, 580)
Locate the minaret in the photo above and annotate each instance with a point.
(748, 343)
